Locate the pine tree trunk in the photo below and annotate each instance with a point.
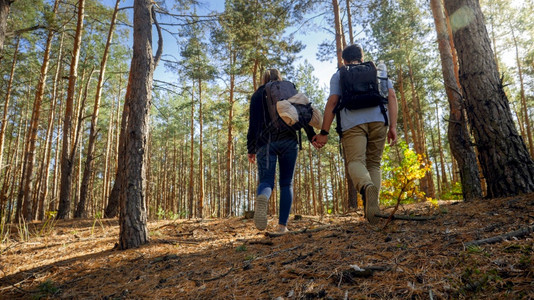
(133, 217)
(112, 208)
(80, 210)
(111, 211)
(20, 194)
(6, 103)
(49, 134)
(444, 180)
(67, 156)
(4, 12)
(107, 156)
(29, 157)
(524, 108)
(504, 158)
(349, 20)
(459, 138)
(191, 184)
(339, 33)
(427, 183)
(405, 118)
(229, 159)
(200, 205)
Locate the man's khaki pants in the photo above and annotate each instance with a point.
(363, 145)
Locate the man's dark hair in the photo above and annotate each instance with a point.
(352, 53)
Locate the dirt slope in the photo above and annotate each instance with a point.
(339, 257)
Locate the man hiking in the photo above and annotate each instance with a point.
(366, 116)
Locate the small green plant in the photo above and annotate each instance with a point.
(23, 231)
(241, 248)
(454, 192)
(98, 217)
(46, 289)
(474, 280)
(250, 257)
(4, 231)
(474, 249)
(161, 213)
(403, 168)
(155, 233)
(48, 225)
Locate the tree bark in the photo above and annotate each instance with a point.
(349, 22)
(67, 154)
(4, 12)
(458, 134)
(339, 33)
(504, 158)
(133, 214)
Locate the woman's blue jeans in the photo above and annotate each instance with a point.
(285, 151)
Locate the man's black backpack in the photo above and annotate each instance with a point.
(283, 90)
(359, 86)
(360, 89)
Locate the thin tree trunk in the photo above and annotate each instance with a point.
(67, 153)
(434, 146)
(427, 183)
(113, 201)
(228, 211)
(49, 134)
(312, 181)
(503, 156)
(111, 208)
(80, 211)
(200, 205)
(524, 108)
(444, 180)
(349, 20)
(107, 157)
(406, 120)
(6, 103)
(339, 33)
(191, 157)
(20, 195)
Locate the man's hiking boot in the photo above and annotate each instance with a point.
(370, 195)
(260, 212)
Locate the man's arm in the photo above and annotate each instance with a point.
(393, 110)
(320, 140)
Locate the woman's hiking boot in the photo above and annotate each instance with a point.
(282, 229)
(260, 212)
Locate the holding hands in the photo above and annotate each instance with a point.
(319, 140)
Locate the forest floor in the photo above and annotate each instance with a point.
(334, 257)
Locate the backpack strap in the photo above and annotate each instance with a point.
(384, 113)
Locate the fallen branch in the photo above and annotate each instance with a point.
(496, 239)
(261, 242)
(406, 218)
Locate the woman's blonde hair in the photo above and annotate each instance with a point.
(271, 75)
